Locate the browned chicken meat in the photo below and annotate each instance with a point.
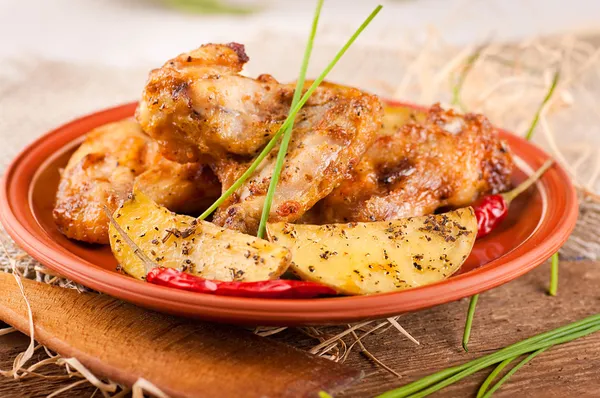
(103, 170)
(446, 160)
(199, 108)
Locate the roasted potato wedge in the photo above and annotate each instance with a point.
(378, 257)
(197, 247)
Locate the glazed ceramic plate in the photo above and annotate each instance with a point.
(539, 222)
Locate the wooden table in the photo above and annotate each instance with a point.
(505, 315)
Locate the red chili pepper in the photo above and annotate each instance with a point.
(490, 212)
(279, 288)
(492, 209)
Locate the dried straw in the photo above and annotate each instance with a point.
(25, 356)
(372, 357)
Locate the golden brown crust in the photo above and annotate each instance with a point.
(331, 134)
(103, 171)
(448, 160)
(82, 192)
(183, 188)
(198, 107)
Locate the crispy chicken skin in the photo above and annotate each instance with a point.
(198, 104)
(103, 170)
(198, 107)
(447, 160)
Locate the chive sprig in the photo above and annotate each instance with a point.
(289, 120)
(511, 372)
(543, 341)
(536, 118)
(553, 289)
(288, 132)
(469, 321)
(466, 69)
(497, 370)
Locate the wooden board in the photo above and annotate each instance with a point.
(505, 315)
(183, 358)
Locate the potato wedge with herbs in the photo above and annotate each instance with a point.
(378, 257)
(197, 247)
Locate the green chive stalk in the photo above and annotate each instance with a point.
(288, 132)
(456, 101)
(552, 290)
(485, 385)
(457, 88)
(513, 371)
(469, 322)
(439, 380)
(554, 267)
(497, 370)
(288, 121)
(536, 118)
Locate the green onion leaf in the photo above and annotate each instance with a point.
(554, 271)
(513, 371)
(492, 376)
(288, 121)
(439, 380)
(536, 118)
(288, 132)
(553, 275)
(469, 322)
(456, 101)
(457, 88)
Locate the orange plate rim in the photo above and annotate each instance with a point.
(16, 214)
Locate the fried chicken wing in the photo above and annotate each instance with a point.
(446, 160)
(198, 107)
(103, 171)
(329, 138)
(198, 104)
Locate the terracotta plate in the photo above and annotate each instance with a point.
(538, 224)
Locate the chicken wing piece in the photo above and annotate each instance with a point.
(446, 160)
(198, 104)
(187, 188)
(331, 134)
(198, 107)
(103, 171)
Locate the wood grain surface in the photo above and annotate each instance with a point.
(504, 315)
(183, 358)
